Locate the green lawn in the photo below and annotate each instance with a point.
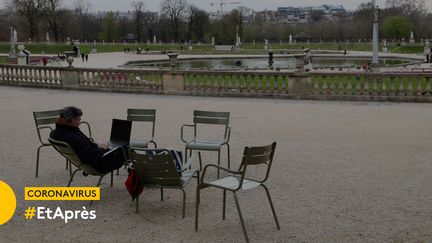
(3, 60)
(313, 46)
(108, 47)
(407, 49)
(38, 48)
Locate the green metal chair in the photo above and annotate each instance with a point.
(157, 168)
(236, 180)
(66, 151)
(142, 115)
(46, 120)
(208, 118)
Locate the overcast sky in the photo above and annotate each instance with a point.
(154, 5)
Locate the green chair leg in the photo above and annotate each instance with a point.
(184, 202)
(99, 181)
(229, 156)
(197, 200)
(70, 167)
(218, 171)
(112, 178)
(200, 160)
(271, 206)
(72, 176)
(37, 160)
(97, 185)
(198, 178)
(185, 156)
(241, 217)
(190, 155)
(38, 157)
(224, 205)
(162, 196)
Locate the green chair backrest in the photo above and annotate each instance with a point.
(262, 155)
(142, 115)
(45, 118)
(211, 117)
(155, 169)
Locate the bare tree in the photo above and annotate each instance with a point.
(138, 13)
(81, 15)
(198, 23)
(191, 12)
(81, 8)
(241, 12)
(150, 20)
(174, 9)
(32, 10)
(361, 22)
(9, 18)
(407, 7)
(52, 14)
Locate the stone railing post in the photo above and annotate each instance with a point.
(173, 83)
(300, 85)
(70, 78)
(299, 62)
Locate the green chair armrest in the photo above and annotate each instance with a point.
(235, 172)
(114, 150)
(39, 135)
(227, 135)
(181, 131)
(44, 127)
(88, 127)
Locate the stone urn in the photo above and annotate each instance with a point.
(69, 57)
(173, 59)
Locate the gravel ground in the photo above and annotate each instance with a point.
(343, 171)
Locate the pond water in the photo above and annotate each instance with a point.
(262, 63)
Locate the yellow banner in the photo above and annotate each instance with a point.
(61, 193)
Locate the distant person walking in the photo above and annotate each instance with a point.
(82, 56)
(86, 57)
(44, 61)
(430, 55)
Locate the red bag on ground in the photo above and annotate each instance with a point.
(133, 184)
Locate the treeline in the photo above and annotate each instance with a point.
(179, 21)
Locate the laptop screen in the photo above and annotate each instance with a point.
(121, 131)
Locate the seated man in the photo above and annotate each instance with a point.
(67, 130)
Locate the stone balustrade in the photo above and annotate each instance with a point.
(411, 87)
(373, 86)
(119, 80)
(30, 76)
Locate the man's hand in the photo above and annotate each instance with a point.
(103, 146)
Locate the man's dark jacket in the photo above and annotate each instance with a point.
(88, 151)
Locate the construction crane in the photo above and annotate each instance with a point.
(221, 4)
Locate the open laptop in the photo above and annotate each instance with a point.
(120, 133)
